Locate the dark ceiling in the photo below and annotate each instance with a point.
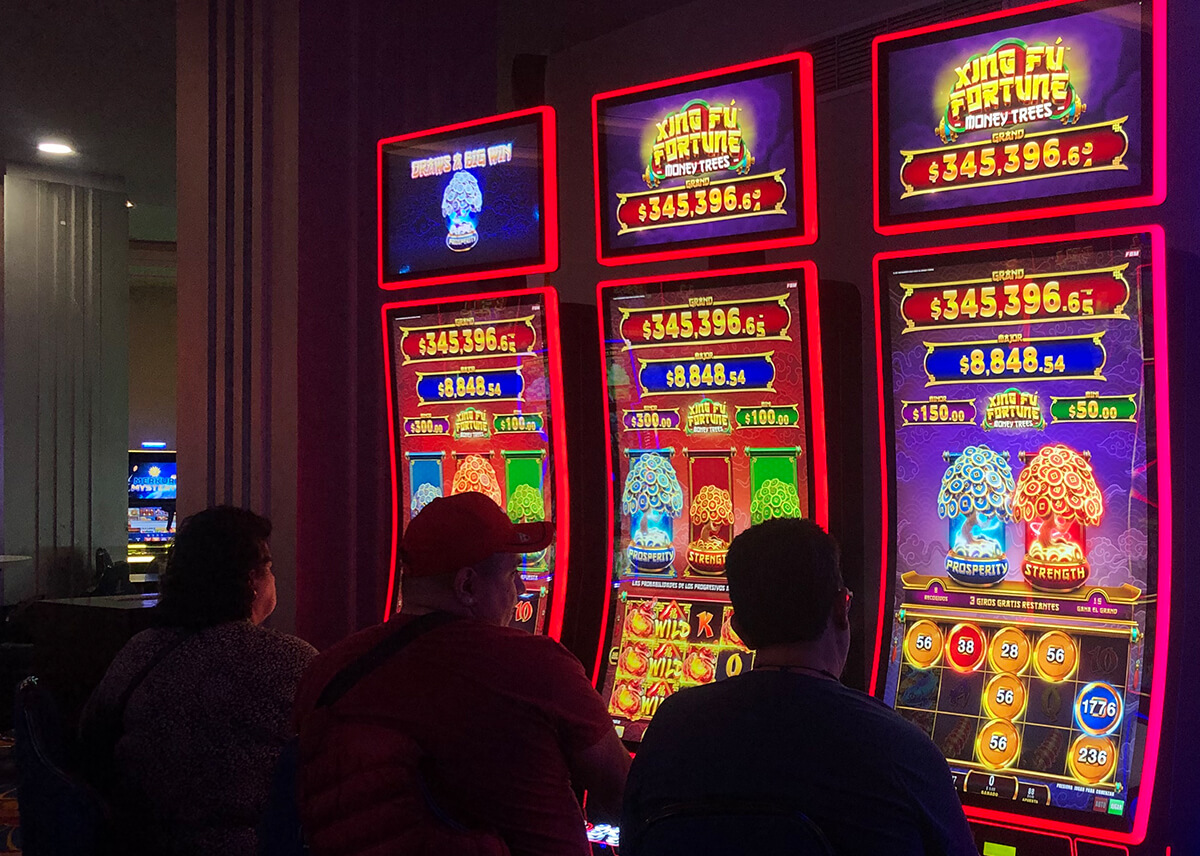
(100, 74)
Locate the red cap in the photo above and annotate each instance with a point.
(462, 530)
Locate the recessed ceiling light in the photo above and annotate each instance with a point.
(55, 148)
(129, 203)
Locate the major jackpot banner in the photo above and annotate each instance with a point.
(708, 163)
(1004, 116)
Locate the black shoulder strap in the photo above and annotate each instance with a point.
(351, 674)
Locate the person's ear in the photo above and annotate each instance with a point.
(840, 614)
(465, 584)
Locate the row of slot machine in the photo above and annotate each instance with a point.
(1023, 593)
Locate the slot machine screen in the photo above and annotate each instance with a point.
(150, 524)
(714, 162)
(1056, 109)
(151, 478)
(1023, 389)
(712, 428)
(475, 200)
(475, 397)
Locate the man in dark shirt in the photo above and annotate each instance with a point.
(788, 734)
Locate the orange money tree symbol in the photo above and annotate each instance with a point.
(712, 508)
(1057, 489)
(476, 474)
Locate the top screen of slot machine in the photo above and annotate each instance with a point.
(709, 163)
(1024, 112)
(473, 410)
(1021, 383)
(472, 201)
(710, 427)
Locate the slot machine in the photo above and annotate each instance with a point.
(474, 382)
(717, 420)
(475, 403)
(719, 415)
(716, 404)
(1026, 586)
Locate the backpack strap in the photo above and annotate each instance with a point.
(351, 674)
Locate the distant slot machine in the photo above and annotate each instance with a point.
(1027, 581)
(717, 421)
(151, 509)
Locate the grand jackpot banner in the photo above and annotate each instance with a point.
(709, 163)
(1012, 115)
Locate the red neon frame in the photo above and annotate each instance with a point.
(1162, 415)
(549, 202)
(558, 442)
(816, 405)
(1158, 134)
(808, 166)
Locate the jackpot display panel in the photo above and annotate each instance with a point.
(715, 422)
(474, 391)
(718, 162)
(1026, 467)
(475, 200)
(152, 492)
(1058, 108)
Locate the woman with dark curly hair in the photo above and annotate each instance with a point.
(190, 717)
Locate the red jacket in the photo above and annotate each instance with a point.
(471, 721)
(362, 794)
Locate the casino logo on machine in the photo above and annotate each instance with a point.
(699, 139)
(1014, 409)
(471, 423)
(708, 417)
(1013, 83)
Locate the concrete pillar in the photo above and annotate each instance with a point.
(281, 395)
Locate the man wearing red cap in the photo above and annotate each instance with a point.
(446, 731)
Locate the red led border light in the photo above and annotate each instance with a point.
(1158, 132)
(816, 404)
(1162, 417)
(549, 202)
(558, 441)
(808, 166)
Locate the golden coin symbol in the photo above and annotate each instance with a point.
(1004, 697)
(923, 644)
(1009, 651)
(1092, 759)
(998, 744)
(1055, 656)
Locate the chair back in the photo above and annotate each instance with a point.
(61, 815)
(722, 827)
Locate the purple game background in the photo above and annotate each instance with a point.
(766, 115)
(1118, 549)
(1106, 68)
